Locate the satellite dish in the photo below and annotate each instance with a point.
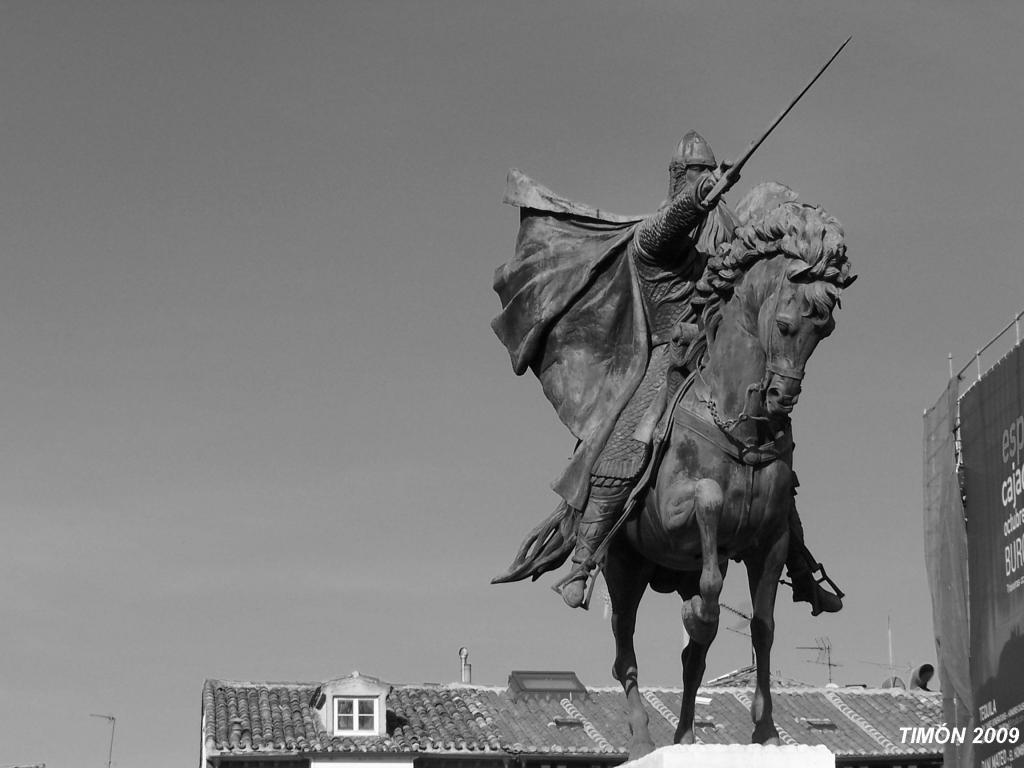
(893, 682)
(921, 677)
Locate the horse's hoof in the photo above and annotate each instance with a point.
(686, 738)
(700, 629)
(638, 749)
(767, 736)
(704, 611)
(574, 592)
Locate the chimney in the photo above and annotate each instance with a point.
(467, 668)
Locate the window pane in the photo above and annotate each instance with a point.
(355, 714)
(344, 710)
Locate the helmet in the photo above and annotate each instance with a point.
(694, 150)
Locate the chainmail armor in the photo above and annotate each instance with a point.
(660, 252)
(669, 231)
(624, 457)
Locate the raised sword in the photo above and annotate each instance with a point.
(731, 174)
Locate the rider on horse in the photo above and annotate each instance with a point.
(660, 258)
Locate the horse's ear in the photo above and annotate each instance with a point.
(835, 293)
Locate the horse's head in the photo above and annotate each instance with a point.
(788, 268)
(791, 322)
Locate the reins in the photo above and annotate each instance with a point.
(728, 425)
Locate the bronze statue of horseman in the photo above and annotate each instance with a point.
(674, 346)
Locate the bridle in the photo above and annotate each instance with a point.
(761, 387)
(797, 374)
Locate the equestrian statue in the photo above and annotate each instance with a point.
(673, 347)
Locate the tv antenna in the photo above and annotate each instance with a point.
(893, 680)
(824, 648)
(741, 627)
(113, 722)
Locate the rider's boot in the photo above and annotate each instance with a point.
(807, 588)
(801, 566)
(603, 508)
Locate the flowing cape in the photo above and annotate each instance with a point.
(572, 312)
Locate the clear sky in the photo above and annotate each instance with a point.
(255, 424)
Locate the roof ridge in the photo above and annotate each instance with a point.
(258, 683)
(454, 686)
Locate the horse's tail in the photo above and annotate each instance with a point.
(546, 547)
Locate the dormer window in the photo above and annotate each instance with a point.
(355, 716)
(352, 706)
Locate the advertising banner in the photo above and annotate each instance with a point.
(945, 555)
(992, 435)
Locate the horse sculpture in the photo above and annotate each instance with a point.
(721, 488)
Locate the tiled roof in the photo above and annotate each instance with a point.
(277, 719)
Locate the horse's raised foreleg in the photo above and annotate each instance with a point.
(704, 605)
(694, 663)
(763, 577)
(627, 576)
(701, 610)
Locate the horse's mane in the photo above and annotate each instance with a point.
(797, 230)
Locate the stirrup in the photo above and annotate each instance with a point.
(588, 570)
(826, 580)
(823, 579)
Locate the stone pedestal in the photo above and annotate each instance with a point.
(736, 756)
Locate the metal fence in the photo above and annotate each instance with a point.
(1002, 336)
(997, 342)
